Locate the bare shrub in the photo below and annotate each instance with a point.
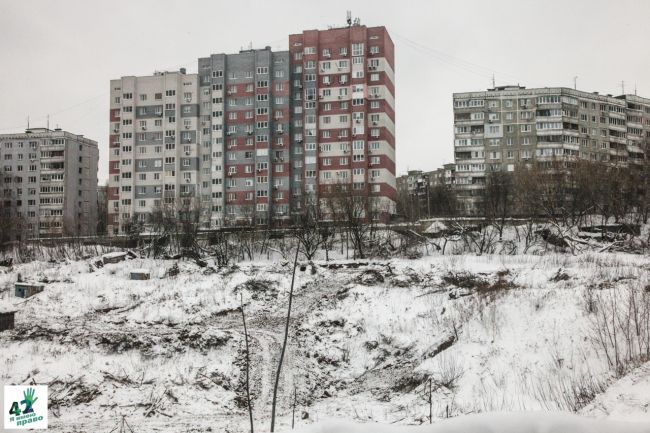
(620, 327)
(448, 371)
(560, 391)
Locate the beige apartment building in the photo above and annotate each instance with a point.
(505, 126)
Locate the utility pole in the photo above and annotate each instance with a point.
(430, 404)
(293, 415)
(428, 198)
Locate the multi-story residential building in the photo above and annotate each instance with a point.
(253, 136)
(443, 176)
(49, 182)
(245, 130)
(155, 156)
(505, 126)
(343, 116)
(413, 190)
(416, 191)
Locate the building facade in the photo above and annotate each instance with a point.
(343, 116)
(443, 176)
(255, 136)
(505, 126)
(245, 132)
(49, 183)
(413, 191)
(153, 143)
(420, 193)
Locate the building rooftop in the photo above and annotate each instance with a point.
(46, 133)
(522, 90)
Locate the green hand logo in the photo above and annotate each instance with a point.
(29, 400)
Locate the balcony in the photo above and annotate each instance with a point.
(619, 140)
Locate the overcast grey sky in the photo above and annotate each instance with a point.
(57, 57)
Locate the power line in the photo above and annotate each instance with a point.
(452, 61)
(62, 110)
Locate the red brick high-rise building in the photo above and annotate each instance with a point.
(343, 116)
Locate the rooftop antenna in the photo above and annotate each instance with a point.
(494, 86)
(48, 121)
(349, 18)
(250, 45)
(28, 122)
(622, 87)
(635, 89)
(575, 83)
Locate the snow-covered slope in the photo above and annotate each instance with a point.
(370, 341)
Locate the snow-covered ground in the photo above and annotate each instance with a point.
(370, 341)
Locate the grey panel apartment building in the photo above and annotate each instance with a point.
(245, 135)
(49, 183)
(505, 126)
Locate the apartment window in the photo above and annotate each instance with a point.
(357, 49)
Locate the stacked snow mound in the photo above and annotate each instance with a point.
(520, 422)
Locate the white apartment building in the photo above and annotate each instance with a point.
(153, 144)
(49, 183)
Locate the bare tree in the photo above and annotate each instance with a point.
(443, 201)
(284, 342)
(248, 391)
(354, 211)
(307, 229)
(498, 199)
